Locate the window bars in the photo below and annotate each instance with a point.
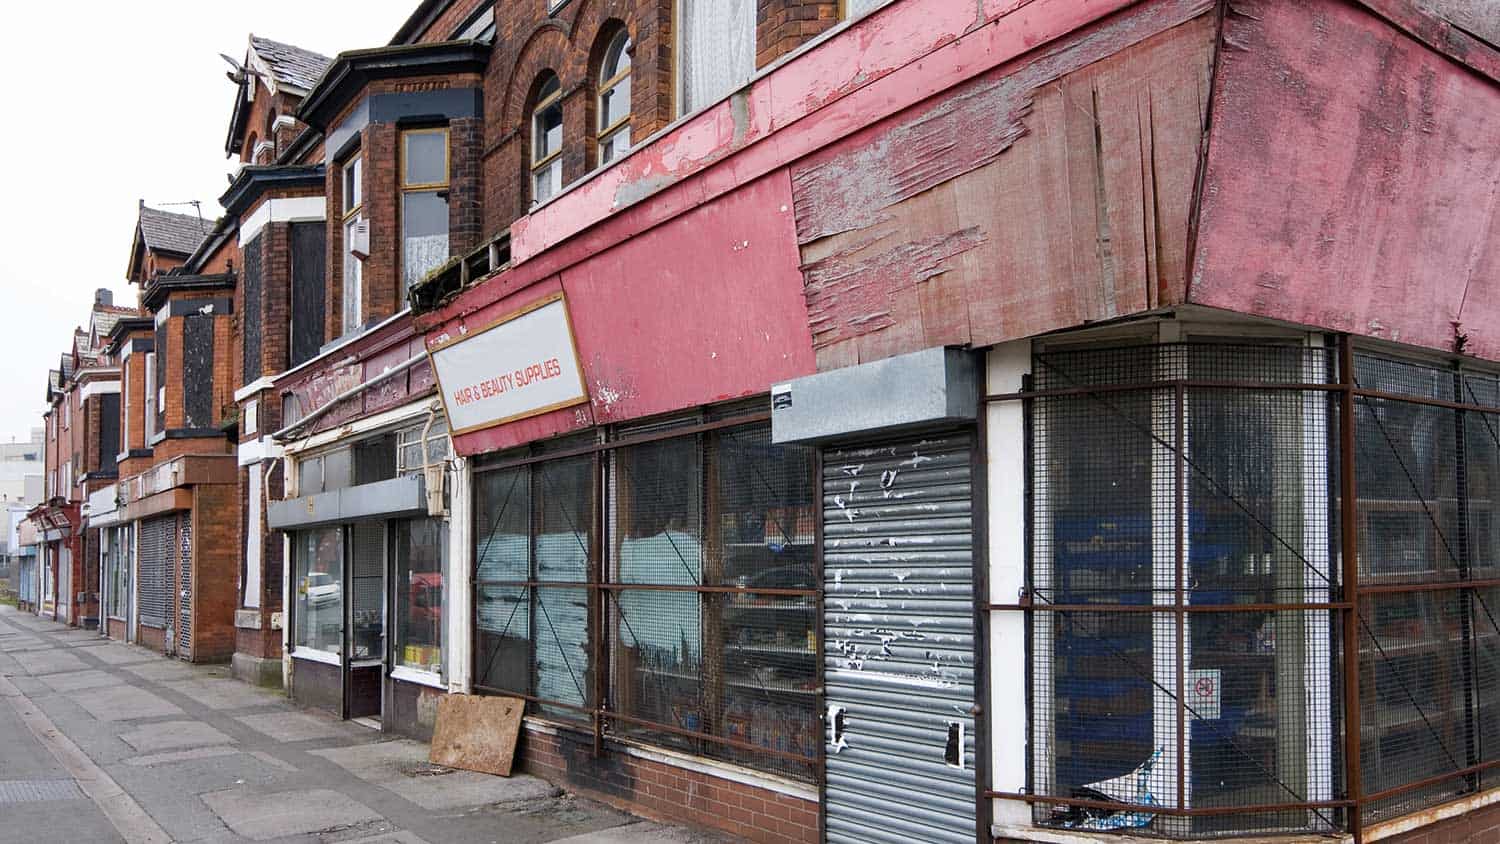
(1263, 587)
(659, 587)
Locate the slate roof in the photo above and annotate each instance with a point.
(103, 321)
(170, 232)
(290, 65)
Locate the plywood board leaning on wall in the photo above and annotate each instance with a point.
(477, 733)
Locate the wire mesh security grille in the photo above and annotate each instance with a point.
(661, 586)
(185, 587)
(1193, 624)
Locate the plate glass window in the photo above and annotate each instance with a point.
(319, 580)
(614, 99)
(353, 268)
(546, 141)
(424, 204)
(418, 643)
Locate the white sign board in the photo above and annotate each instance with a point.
(524, 365)
(1205, 692)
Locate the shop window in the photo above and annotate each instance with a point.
(374, 459)
(354, 243)
(424, 204)
(707, 591)
(716, 50)
(1158, 511)
(422, 445)
(614, 99)
(546, 140)
(418, 550)
(318, 578)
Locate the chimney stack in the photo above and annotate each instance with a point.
(103, 296)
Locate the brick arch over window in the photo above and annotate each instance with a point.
(250, 141)
(651, 60)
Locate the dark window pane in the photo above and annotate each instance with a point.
(419, 588)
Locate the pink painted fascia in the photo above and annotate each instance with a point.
(878, 66)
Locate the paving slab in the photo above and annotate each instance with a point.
(181, 756)
(111, 654)
(643, 832)
(224, 694)
(169, 735)
(162, 670)
(262, 816)
(402, 768)
(292, 726)
(123, 703)
(89, 679)
(49, 662)
(24, 643)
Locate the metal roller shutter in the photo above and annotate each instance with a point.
(156, 539)
(899, 642)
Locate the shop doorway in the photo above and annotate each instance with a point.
(898, 641)
(364, 668)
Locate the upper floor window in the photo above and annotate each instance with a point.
(353, 290)
(424, 204)
(546, 140)
(614, 99)
(716, 53)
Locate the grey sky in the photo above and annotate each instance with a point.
(107, 103)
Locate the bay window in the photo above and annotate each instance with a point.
(715, 51)
(614, 99)
(424, 204)
(353, 267)
(1191, 626)
(546, 140)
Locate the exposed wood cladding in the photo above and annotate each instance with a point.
(1052, 191)
(1351, 181)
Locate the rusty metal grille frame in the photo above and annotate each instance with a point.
(1465, 403)
(598, 700)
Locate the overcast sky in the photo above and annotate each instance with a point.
(108, 103)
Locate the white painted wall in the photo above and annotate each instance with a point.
(1005, 446)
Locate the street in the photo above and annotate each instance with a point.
(107, 742)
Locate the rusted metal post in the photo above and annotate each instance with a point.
(1349, 555)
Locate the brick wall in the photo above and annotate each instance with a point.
(216, 571)
(668, 792)
(151, 638)
(784, 25)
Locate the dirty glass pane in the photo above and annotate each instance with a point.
(419, 587)
(426, 158)
(424, 234)
(502, 561)
(318, 576)
(717, 50)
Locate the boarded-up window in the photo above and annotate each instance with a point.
(198, 370)
(109, 431)
(717, 51)
(161, 376)
(309, 252)
(253, 287)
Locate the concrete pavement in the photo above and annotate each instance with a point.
(104, 742)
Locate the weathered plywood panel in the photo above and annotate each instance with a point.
(1351, 180)
(477, 733)
(1051, 192)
